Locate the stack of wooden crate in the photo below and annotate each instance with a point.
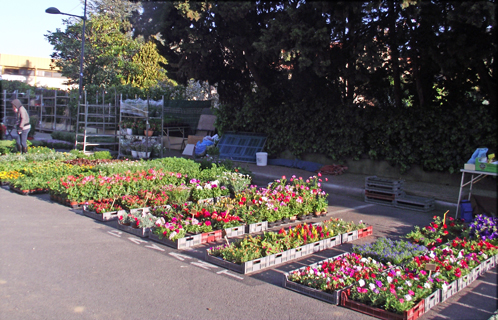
(391, 193)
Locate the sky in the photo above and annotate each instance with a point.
(24, 24)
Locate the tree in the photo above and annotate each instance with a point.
(112, 55)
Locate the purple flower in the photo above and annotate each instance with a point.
(378, 283)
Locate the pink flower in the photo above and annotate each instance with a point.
(208, 223)
(401, 300)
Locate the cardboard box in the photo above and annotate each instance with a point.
(487, 167)
(469, 166)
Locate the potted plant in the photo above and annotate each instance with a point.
(140, 127)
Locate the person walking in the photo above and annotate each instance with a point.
(22, 124)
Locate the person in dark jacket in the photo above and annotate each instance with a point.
(22, 125)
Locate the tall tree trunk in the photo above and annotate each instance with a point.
(417, 76)
(393, 40)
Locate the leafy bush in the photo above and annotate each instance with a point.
(7, 146)
(65, 136)
(102, 155)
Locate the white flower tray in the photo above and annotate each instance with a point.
(106, 216)
(451, 289)
(257, 227)
(182, 243)
(350, 236)
(464, 281)
(432, 300)
(488, 264)
(234, 231)
(277, 258)
(330, 297)
(139, 232)
(244, 268)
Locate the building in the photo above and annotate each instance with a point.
(34, 71)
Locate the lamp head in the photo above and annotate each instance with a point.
(52, 10)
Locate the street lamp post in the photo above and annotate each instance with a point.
(53, 10)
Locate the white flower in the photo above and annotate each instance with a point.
(361, 282)
(363, 260)
(198, 187)
(432, 255)
(372, 286)
(389, 279)
(427, 285)
(172, 234)
(398, 273)
(485, 256)
(408, 283)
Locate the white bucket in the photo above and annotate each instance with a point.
(261, 158)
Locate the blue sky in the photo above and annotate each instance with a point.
(24, 23)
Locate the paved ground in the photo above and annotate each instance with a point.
(58, 264)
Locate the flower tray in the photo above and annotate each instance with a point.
(27, 192)
(257, 227)
(182, 243)
(234, 231)
(146, 209)
(476, 272)
(244, 268)
(450, 291)
(205, 201)
(106, 216)
(298, 252)
(412, 314)
(68, 203)
(368, 231)
(350, 236)
(488, 265)
(139, 232)
(432, 300)
(464, 281)
(332, 297)
(17, 190)
(211, 236)
(277, 258)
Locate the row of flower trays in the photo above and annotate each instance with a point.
(190, 240)
(224, 255)
(342, 296)
(409, 280)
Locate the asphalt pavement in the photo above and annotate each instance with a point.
(58, 264)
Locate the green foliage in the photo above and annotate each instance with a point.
(7, 146)
(440, 138)
(102, 155)
(64, 136)
(33, 121)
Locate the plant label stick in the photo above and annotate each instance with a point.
(430, 267)
(226, 239)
